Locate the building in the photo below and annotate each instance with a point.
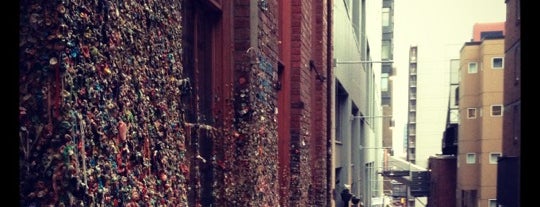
(357, 129)
(304, 74)
(508, 173)
(443, 166)
(481, 112)
(175, 103)
(388, 71)
(442, 181)
(450, 136)
(411, 117)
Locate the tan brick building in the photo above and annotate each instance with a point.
(481, 111)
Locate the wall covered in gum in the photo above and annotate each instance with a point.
(102, 117)
(100, 111)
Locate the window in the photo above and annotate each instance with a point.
(471, 158)
(338, 176)
(471, 113)
(456, 97)
(494, 157)
(412, 69)
(384, 82)
(496, 110)
(412, 81)
(492, 34)
(412, 93)
(473, 67)
(412, 55)
(385, 50)
(385, 17)
(341, 112)
(492, 203)
(497, 63)
(412, 129)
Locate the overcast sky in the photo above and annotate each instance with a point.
(439, 28)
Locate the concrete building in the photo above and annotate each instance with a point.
(508, 173)
(411, 116)
(387, 54)
(412, 141)
(357, 134)
(481, 113)
(443, 166)
(450, 136)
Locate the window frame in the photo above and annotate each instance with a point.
(493, 63)
(384, 82)
(492, 200)
(473, 115)
(469, 67)
(386, 48)
(385, 17)
(491, 154)
(501, 110)
(470, 154)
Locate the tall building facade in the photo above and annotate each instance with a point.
(411, 139)
(411, 116)
(481, 116)
(357, 129)
(508, 177)
(175, 103)
(387, 73)
(304, 71)
(443, 166)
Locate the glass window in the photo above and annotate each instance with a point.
(385, 17)
(471, 158)
(412, 54)
(473, 67)
(384, 82)
(496, 110)
(456, 97)
(492, 203)
(497, 63)
(494, 157)
(471, 113)
(385, 50)
(412, 69)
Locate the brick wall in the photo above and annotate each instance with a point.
(253, 179)
(319, 136)
(308, 103)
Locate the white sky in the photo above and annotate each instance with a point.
(439, 28)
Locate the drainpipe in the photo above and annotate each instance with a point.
(329, 98)
(253, 23)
